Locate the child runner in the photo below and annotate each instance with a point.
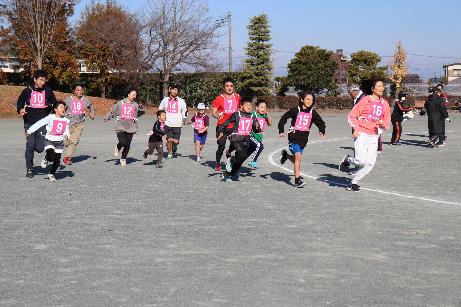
(369, 116)
(244, 123)
(176, 114)
(57, 129)
(201, 124)
(126, 112)
(156, 138)
(75, 107)
(256, 139)
(397, 118)
(302, 118)
(224, 106)
(35, 103)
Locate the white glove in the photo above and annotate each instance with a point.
(448, 119)
(118, 117)
(150, 133)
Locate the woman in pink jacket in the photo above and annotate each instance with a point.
(368, 118)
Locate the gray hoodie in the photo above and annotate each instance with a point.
(76, 111)
(127, 116)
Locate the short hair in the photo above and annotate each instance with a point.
(39, 73)
(173, 85)
(159, 112)
(245, 100)
(259, 101)
(77, 85)
(227, 80)
(131, 89)
(56, 104)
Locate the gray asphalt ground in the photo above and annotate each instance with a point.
(103, 235)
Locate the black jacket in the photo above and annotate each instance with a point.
(34, 115)
(235, 118)
(300, 137)
(436, 113)
(158, 132)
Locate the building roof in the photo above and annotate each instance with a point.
(453, 64)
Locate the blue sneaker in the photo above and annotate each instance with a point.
(253, 164)
(226, 177)
(229, 165)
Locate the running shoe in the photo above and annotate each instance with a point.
(29, 173)
(217, 168)
(344, 164)
(51, 177)
(66, 160)
(299, 183)
(353, 187)
(284, 157)
(253, 164)
(122, 162)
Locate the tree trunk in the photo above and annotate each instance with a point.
(39, 61)
(166, 81)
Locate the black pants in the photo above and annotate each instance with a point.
(256, 147)
(439, 137)
(396, 131)
(124, 140)
(52, 156)
(34, 142)
(380, 143)
(221, 143)
(242, 152)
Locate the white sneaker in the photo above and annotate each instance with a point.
(51, 177)
(122, 162)
(44, 163)
(116, 151)
(199, 159)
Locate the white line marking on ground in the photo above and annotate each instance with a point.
(271, 161)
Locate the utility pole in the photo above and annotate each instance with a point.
(229, 33)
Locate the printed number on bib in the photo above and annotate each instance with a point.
(58, 128)
(199, 123)
(77, 107)
(230, 105)
(376, 111)
(127, 111)
(172, 106)
(262, 124)
(37, 100)
(245, 126)
(303, 121)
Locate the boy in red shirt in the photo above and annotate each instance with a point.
(224, 106)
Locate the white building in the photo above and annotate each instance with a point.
(10, 64)
(452, 71)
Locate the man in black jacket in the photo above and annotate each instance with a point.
(436, 115)
(35, 102)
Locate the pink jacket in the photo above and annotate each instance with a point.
(367, 113)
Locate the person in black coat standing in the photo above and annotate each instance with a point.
(436, 115)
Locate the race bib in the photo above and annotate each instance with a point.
(172, 106)
(303, 121)
(262, 123)
(77, 107)
(127, 111)
(58, 127)
(245, 125)
(199, 123)
(37, 100)
(230, 105)
(376, 112)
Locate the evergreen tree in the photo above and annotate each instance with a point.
(258, 66)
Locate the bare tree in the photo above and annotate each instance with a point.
(179, 34)
(35, 22)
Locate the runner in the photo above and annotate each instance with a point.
(176, 114)
(201, 123)
(57, 130)
(34, 103)
(224, 106)
(256, 145)
(367, 118)
(126, 112)
(302, 117)
(75, 107)
(156, 139)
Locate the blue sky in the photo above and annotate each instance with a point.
(429, 28)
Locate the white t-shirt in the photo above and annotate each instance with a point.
(176, 110)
